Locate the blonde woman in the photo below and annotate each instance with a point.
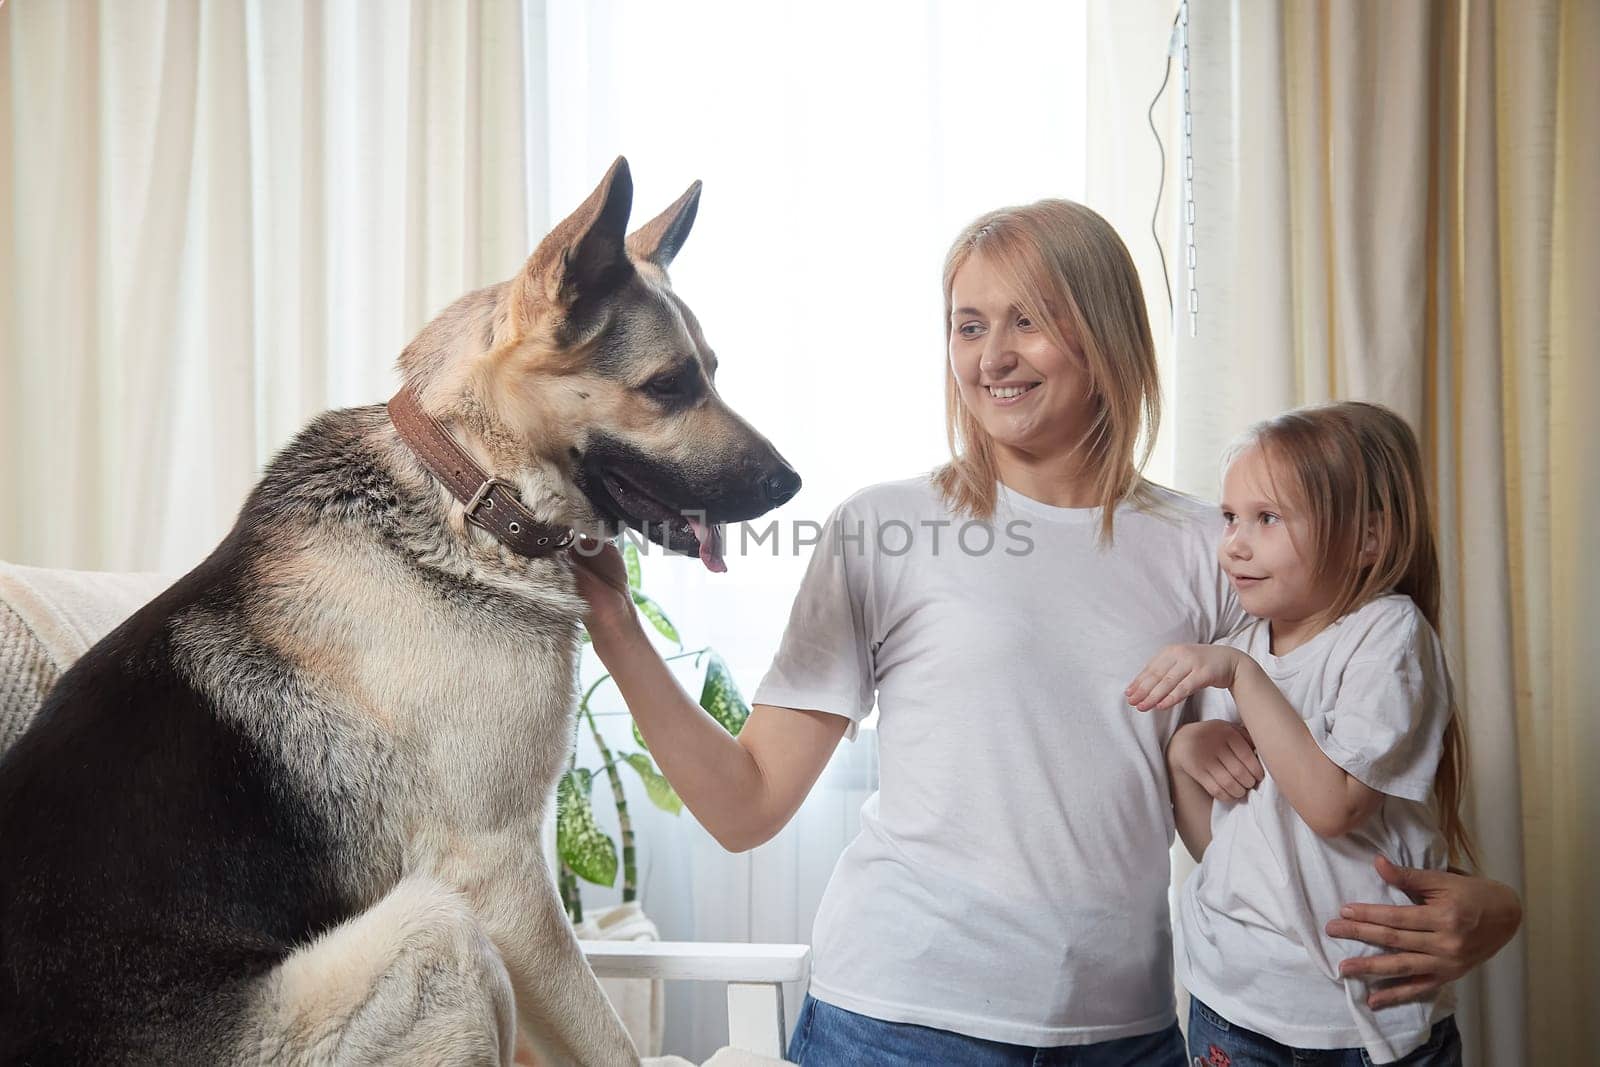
(1006, 899)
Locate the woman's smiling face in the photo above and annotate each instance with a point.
(1030, 394)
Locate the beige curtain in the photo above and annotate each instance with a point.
(1395, 202)
(217, 219)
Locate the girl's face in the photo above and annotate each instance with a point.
(1029, 394)
(1260, 550)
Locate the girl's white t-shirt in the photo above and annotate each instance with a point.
(1373, 690)
(1010, 878)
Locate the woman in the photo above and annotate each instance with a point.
(1006, 899)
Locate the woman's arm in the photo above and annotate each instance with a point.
(1458, 922)
(742, 789)
(1330, 800)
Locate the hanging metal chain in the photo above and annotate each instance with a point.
(1188, 168)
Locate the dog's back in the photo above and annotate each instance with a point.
(157, 855)
(154, 861)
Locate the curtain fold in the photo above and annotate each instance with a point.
(1395, 203)
(1569, 793)
(221, 219)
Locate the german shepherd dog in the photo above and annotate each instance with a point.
(290, 811)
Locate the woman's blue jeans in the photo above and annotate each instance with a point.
(826, 1036)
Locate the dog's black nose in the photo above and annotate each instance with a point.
(781, 486)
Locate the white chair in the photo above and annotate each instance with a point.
(754, 974)
(48, 618)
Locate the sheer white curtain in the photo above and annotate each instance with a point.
(842, 147)
(220, 219)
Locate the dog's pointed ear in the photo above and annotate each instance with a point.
(584, 258)
(658, 240)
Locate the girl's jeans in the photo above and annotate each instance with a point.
(1215, 1042)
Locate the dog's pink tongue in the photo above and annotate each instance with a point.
(710, 545)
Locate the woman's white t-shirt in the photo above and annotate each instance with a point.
(1010, 878)
(1374, 693)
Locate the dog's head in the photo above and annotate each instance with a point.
(588, 373)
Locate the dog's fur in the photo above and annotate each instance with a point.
(289, 811)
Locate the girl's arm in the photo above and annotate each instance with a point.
(1207, 761)
(1191, 811)
(742, 789)
(1330, 800)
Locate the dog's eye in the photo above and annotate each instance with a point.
(665, 384)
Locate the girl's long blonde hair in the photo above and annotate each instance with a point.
(1356, 471)
(1072, 275)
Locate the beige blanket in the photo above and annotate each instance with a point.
(48, 618)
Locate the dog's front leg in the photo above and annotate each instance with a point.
(560, 1006)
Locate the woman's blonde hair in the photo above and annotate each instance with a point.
(1356, 471)
(1072, 275)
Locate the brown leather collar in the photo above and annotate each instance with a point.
(490, 502)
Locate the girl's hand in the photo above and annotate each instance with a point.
(1458, 922)
(1179, 670)
(603, 583)
(1218, 756)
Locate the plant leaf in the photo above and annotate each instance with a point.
(630, 558)
(653, 612)
(721, 698)
(657, 788)
(580, 842)
(637, 736)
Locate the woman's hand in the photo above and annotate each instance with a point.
(603, 583)
(1179, 670)
(1458, 922)
(1218, 756)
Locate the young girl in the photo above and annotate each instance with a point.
(1005, 901)
(1340, 685)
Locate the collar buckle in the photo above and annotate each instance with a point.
(481, 497)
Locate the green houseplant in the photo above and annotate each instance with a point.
(586, 852)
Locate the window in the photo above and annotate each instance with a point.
(842, 148)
